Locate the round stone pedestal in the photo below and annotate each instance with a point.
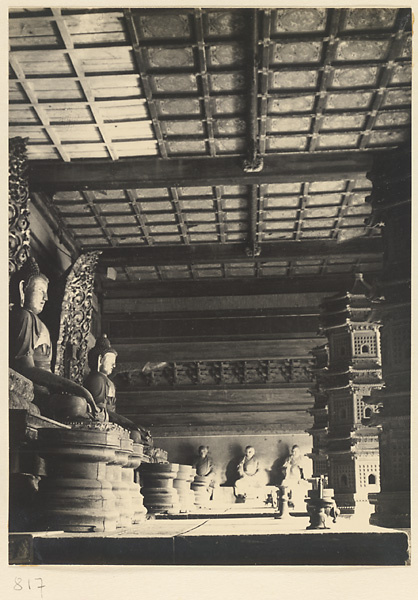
(182, 482)
(75, 495)
(128, 477)
(201, 492)
(120, 487)
(157, 487)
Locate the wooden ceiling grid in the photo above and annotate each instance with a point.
(110, 84)
(351, 68)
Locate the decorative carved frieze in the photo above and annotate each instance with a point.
(19, 232)
(76, 315)
(215, 373)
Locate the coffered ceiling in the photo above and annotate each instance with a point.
(164, 88)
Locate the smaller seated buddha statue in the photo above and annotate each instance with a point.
(248, 475)
(205, 470)
(102, 361)
(30, 348)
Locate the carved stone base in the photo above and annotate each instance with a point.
(157, 487)
(128, 477)
(201, 492)
(76, 495)
(392, 509)
(120, 487)
(182, 483)
(26, 467)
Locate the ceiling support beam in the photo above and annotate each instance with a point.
(216, 253)
(231, 287)
(226, 170)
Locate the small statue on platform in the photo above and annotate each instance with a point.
(204, 470)
(248, 475)
(30, 349)
(294, 479)
(102, 361)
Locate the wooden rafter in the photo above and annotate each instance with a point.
(140, 63)
(301, 211)
(342, 210)
(104, 227)
(175, 201)
(397, 44)
(69, 45)
(203, 71)
(252, 217)
(43, 117)
(139, 217)
(220, 217)
(325, 75)
(264, 79)
(252, 136)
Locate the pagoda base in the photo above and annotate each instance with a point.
(392, 509)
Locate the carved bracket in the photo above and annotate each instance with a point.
(75, 321)
(19, 232)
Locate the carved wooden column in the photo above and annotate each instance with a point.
(391, 202)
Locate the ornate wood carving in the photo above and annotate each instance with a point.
(128, 376)
(19, 232)
(75, 319)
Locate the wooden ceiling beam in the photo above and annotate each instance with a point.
(149, 172)
(229, 287)
(218, 253)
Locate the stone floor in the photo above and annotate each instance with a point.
(233, 536)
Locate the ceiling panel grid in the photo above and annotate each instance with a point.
(74, 89)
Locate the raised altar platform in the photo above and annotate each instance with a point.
(227, 540)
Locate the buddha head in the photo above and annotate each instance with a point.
(249, 451)
(203, 451)
(32, 287)
(102, 357)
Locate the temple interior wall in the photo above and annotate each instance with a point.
(50, 253)
(227, 450)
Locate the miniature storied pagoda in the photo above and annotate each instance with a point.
(353, 372)
(319, 411)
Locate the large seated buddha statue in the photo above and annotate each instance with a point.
(30, 349)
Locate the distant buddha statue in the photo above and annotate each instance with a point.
(30, 350)
(204, 469)
(248, 475)
(102, 361)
